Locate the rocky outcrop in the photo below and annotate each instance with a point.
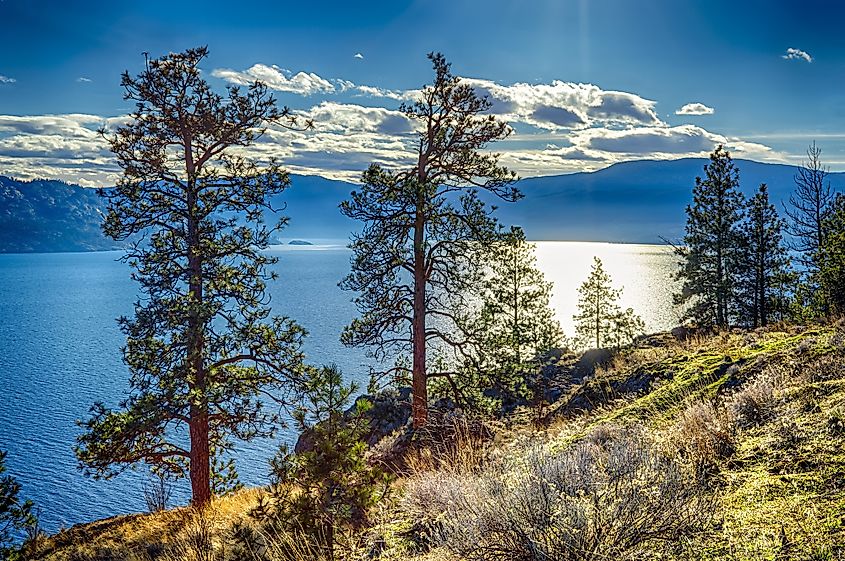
(390, 411)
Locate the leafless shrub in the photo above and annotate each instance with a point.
(753, 404)
(703, 435)
(825, 368)
(608, 496)
(157, 490)
(789, 434)
(806, 345)
(836, 421)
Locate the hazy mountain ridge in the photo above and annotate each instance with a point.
(50, 216)
(638, 201)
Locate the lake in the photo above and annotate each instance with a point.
(60, 351)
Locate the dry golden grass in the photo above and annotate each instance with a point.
(140, 536)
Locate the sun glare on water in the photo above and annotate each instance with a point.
(644, 272)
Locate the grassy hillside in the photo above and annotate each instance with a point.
(723, 447)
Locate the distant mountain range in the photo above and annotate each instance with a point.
(49, 216)
(640, 201)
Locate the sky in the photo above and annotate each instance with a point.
(583, 83)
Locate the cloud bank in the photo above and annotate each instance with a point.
(558, 127)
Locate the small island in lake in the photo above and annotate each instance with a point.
(299, 242)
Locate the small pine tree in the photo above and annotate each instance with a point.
(516, 320)
(831, 259)
(599, 320)
(764, 259)
(711, 247)
(316, 493)
(16, 515)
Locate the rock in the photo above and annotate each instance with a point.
(390, 411)
(681, 333)
(586, 365)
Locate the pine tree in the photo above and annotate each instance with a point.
(16, 515)
(808, 211)
(808, 208)
(318, 492)
(599, 320)
(764, 259)
(711, 246)
(516, 320)
(201, 347)
(412, 261)
(831, 258)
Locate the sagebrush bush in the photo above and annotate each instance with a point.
(703, 435)
(612, 494)
(753, 404)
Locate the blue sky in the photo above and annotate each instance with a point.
(585, 83)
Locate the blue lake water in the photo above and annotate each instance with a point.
(60, 352)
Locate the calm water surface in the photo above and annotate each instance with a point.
(60, 352)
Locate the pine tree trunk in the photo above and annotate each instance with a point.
(329, 530)
(200, 458)
(419, 390)
(200, 468)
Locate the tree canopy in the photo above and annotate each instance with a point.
(412, 262)
(711, 246)
(202, 349)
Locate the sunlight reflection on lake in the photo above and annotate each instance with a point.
(643, 271)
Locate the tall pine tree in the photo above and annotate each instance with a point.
(808, 208)
(201, 347)
(411, 263)
(807, 211)
(764, 259)
(711, 247)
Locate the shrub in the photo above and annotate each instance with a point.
(703, 436)
(612, 494)
(836, 422)
(751, 405)
(450, 442)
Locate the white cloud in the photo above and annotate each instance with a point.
(75, 125)
(83, 80)
(6, 80)
(398, 95)
(553, 107)
(566, 105)
(695, 109)
(358, 56)
(303, 83)
(63, 147)
(797, 54)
